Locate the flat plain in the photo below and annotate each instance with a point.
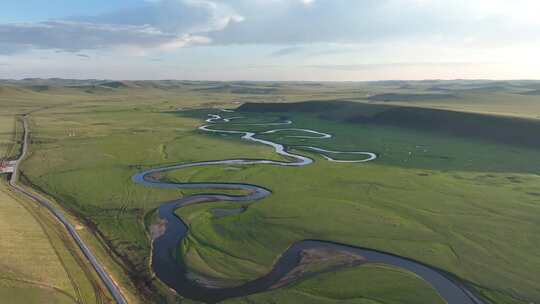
(459, 193)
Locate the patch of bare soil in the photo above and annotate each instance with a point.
(158, 229)
(319, 260)
(155, 176)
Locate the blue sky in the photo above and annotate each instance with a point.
(38, 10)
(270, 39)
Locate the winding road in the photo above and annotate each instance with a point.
(100, 270)
(175, 274)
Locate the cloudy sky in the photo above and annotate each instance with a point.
(270, 39)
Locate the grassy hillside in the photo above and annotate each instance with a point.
(10, 131)
(498, 129)
(510, 98)
(444, 200)
(37, 261)
(85, 159)
(372, 284)
(455, 190)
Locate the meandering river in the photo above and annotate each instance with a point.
(175, 274)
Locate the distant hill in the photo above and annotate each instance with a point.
(116, 84)
(486, 89)
(410, 97)
(40, 88)
(531, 93)
(236, 89)
(438, 89)
(500, 129)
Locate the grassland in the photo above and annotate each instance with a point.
(23, 249)
(466, 204)
(8, 136)
(446, 206)
(371, 284)
(99, 146)
(38, 263)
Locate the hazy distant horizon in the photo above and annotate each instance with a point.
(272, 81)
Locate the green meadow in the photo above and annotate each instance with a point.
(38, 261)
(445, 201)
(370, 284)
(467, 202)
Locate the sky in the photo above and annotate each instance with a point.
(284, 40)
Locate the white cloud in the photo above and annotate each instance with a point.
(164, 25)
(307, 2)
(488, 22)
(379, 34)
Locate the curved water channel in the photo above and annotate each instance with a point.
(175, 274)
